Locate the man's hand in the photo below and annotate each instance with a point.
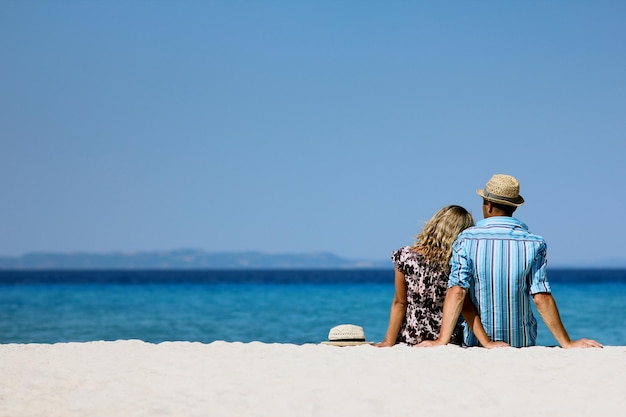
(430, 343)
(582, 343)
(495, 345)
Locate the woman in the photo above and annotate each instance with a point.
(421, 280)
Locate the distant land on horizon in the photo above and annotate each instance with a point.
(199, 259)
(186, 259)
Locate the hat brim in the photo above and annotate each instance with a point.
(518, 202)
(346, 343)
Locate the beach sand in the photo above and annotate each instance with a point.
(134, 378)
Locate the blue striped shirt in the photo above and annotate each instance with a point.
(501, 264)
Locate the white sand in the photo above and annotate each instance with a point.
(133, 378)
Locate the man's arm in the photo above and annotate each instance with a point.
(452, 307)
(546, 306)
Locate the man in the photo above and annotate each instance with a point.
(502, 266)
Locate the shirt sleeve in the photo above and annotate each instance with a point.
(460, 266)
(538, 276)
(399, 260)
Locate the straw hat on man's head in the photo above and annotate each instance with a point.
(502, 189)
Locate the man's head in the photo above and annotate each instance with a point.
(501, 196)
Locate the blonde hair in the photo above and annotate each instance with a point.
(436, 238)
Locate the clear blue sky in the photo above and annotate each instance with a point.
(307, 126)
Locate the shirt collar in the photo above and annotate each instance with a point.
(502, 221)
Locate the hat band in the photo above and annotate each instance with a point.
(487, 194)
(347, 340)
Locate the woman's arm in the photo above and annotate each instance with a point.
(398, 311)
(470, 314)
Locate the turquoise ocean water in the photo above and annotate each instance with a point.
(269, 306)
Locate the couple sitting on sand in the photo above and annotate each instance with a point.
(487, 272)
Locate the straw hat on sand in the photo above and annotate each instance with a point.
(346, 335)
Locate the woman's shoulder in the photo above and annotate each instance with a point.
(404, 253)
(402, 249)
(407, 260)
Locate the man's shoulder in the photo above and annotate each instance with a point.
(499, 226)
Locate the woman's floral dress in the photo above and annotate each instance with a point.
(426, 290)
